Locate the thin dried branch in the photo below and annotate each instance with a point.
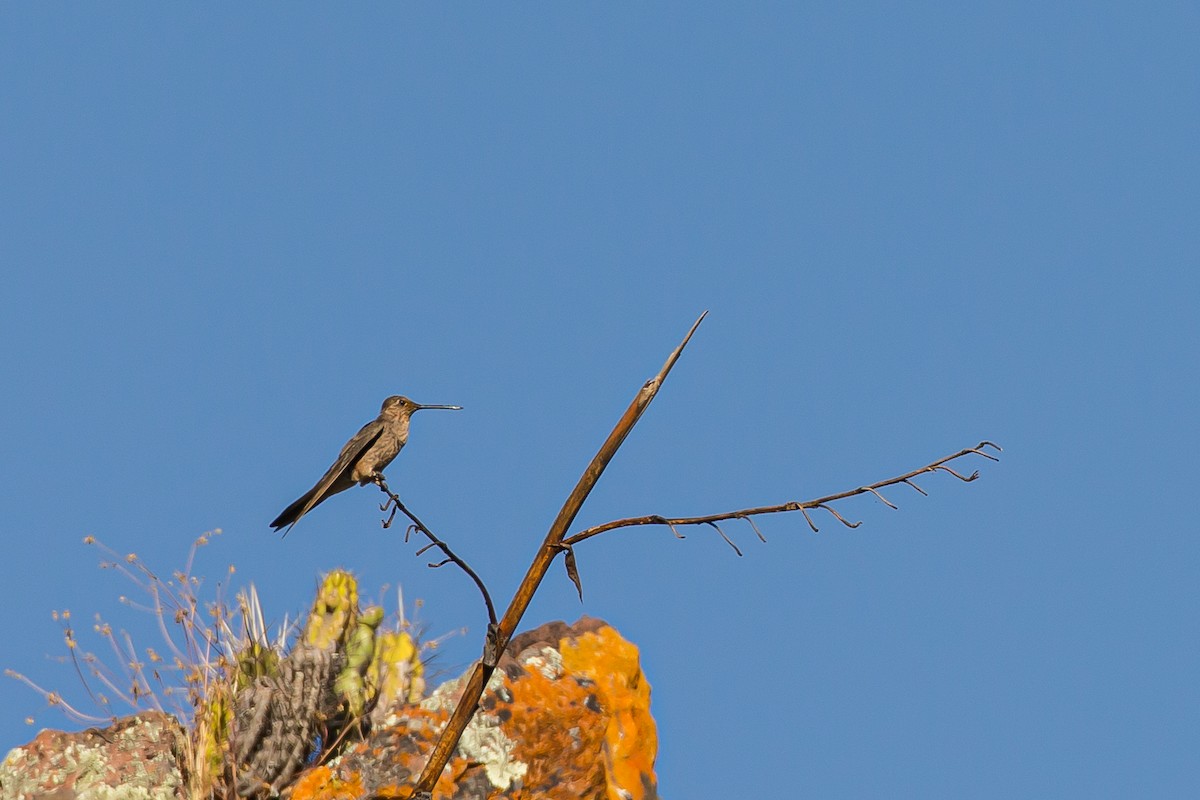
(801, 506)
(73, 650)
(499, 635)
(56, 699)
(393, 503)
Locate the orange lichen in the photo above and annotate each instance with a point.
(572, 722)
(631, 737)
(557, 736)
(320, 784)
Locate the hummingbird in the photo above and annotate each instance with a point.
(362, 460)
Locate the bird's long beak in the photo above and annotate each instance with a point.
(418, 407)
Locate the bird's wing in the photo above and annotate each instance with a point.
(354, 448)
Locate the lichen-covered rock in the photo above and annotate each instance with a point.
(566, 715)
(136, 758)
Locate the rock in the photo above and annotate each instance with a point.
(566, 715)
(135, 758)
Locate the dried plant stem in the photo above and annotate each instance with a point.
(393, 503)
(500, 634)
(821, 502)
(56, 699)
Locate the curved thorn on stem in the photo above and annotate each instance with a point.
(972, 477)
(875, 492)
(728, 541)
(757, 532)
(918, 488)
(839, 517)
(808, 519)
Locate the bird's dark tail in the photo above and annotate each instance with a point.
(292, 514)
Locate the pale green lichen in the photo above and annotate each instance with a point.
(89, 772)
(546, 660)
(14, 777)
(484, 742)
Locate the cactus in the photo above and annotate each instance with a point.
(280, 714)
(276, 712)
(396, 675)
(351, 685)
(334, 613)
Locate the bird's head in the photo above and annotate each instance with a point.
(401, 406)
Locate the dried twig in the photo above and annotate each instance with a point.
(56, 699)
(393, 503)
(556, 542)
(801, 506)
(499, 635)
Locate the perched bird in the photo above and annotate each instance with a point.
(362, 459)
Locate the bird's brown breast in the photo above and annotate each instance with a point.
(379, 454)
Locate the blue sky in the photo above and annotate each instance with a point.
(228, 234)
